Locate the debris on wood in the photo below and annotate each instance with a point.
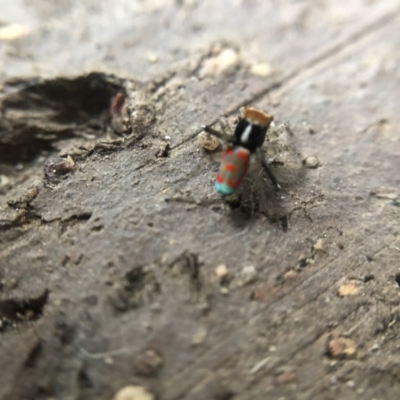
(260, 69)
(246, 276)
(148, 363)
(385, 193)
(319, 244)
(11, 32)
(208, 141)
(221, 62)
(311, 162)
(350, 288)
(340, 347)
(133, 393)
(221, 271)
(199, 337)
(57, 166)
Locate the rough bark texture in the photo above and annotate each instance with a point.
(104, 284)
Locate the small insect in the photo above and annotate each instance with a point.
(248, 138)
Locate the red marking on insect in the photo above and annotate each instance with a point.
(234, 166)
(229, 151)
(220, 178)
(235, 184)
(243, 154)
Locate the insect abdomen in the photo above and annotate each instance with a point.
(233, 168)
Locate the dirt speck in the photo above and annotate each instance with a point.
(340, 347)
(221, 271)
(133, 393)
(286, 378)
(12, 32)
(57, 166)
(311, 162)
(246, 276)
(261, 69)
(222, 61)
(385, 193)
(350, 288)
(208, 141)
(199, 337)
(148, 363)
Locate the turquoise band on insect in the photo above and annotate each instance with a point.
(224, 189)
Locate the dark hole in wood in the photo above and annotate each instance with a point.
(37, 116)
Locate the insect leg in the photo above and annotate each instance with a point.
(216, 133)
(262, 161)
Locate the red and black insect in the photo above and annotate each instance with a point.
(247, 139)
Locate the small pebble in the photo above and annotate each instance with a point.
(11, 32)
(291, 274)
(319, 244)
(385, 193)
(340, 347)
(275, 98)
(221, 271)
(261, 69)
(4, 184)
(247, 275)
(350, 288)
(109, 360)
(208, 141)
(311, 162)
(199, 337)
(375, 347)
(222, 63)
(286, 377)
(152, 57)
(133, 393)
(56, 166)
(4, 181)
(224, 290)
(148, 363)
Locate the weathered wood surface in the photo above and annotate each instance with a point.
(97, 268)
